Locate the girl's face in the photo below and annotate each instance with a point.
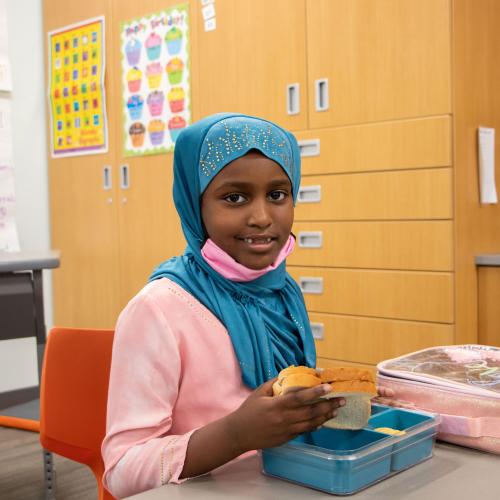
(247, 210)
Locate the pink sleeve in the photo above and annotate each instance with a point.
(145, 375)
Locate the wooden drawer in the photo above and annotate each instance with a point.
(408, 194)
(411, 295)
(416, 245)
(371, 340)
(417, 143)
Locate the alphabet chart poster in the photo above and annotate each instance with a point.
(156, 80)
(76, 89)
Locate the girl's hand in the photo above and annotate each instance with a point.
(264, 421)
(386, 397)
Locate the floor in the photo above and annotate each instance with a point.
(21, 471)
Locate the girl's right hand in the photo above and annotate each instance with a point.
(264, 421)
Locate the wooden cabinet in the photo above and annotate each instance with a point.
(84, 220)
(149, 226)
(249, 61)
(489, 305)
(377, 60)
(389, 221)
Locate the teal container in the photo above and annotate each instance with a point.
(413, 447)
(342, 462)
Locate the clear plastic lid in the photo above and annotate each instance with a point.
(471, 366)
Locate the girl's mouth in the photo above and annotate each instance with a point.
(259, 243)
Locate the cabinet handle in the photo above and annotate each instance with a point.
(318, 331)
(124, 177)
(309, 194)
(311, 285)
(310, 239)
(106, 178)
(309, 147)
(293, 99)
(321, 94)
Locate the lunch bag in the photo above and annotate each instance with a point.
(459, 382)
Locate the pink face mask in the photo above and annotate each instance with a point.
(225, 265)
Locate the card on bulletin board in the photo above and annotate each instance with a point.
(156, 80)
(76, 89)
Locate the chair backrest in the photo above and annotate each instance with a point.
(73, 396)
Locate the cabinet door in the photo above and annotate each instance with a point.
(149, 226)
(247, 63)
(83, 214)
(374, 60)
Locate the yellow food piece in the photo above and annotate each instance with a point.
(388, 430)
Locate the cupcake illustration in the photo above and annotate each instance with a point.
(136, 132)
(173, 39)
(153, 73)
(133, 51)
(175, 68)
(135, 105)
(156, 129)
(134, 78)
(153, 46)
(155, 102)
(175, 126)
(176, 99)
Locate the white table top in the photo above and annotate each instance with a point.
(453, 473)
(27, 261)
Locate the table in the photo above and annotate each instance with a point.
(21, 298)
(453, 473)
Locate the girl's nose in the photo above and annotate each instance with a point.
(259, 214)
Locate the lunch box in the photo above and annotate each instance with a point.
(343, 462)
(461, 383)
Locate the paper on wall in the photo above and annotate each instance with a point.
(5, 73)
(486, 143)
(9, 241)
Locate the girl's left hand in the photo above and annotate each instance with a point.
(386, 397)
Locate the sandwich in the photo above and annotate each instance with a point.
(355, 385)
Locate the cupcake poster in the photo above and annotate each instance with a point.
(156, 80)
(76, 89)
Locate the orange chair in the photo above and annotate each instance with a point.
(73, 396)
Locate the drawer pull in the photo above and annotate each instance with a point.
(124, 177)
(309, 194)
(309, 147)
(318, 331)
(311, 285)
(310, 239)
(322, 94)
(293, 99)
(106, 178)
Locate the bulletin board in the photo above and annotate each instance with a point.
(156, 80)
(76, 89)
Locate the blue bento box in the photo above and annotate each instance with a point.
(343, 462)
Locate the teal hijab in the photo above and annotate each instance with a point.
(266, 318)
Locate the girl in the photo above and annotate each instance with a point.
(196, 351)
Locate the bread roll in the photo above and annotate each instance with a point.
(295, 376)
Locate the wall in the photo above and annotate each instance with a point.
(26, 51)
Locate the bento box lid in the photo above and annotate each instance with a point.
(472, 368)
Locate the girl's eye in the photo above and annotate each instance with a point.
(235, 198)
(278, 195)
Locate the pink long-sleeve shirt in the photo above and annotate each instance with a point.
(168, 351)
